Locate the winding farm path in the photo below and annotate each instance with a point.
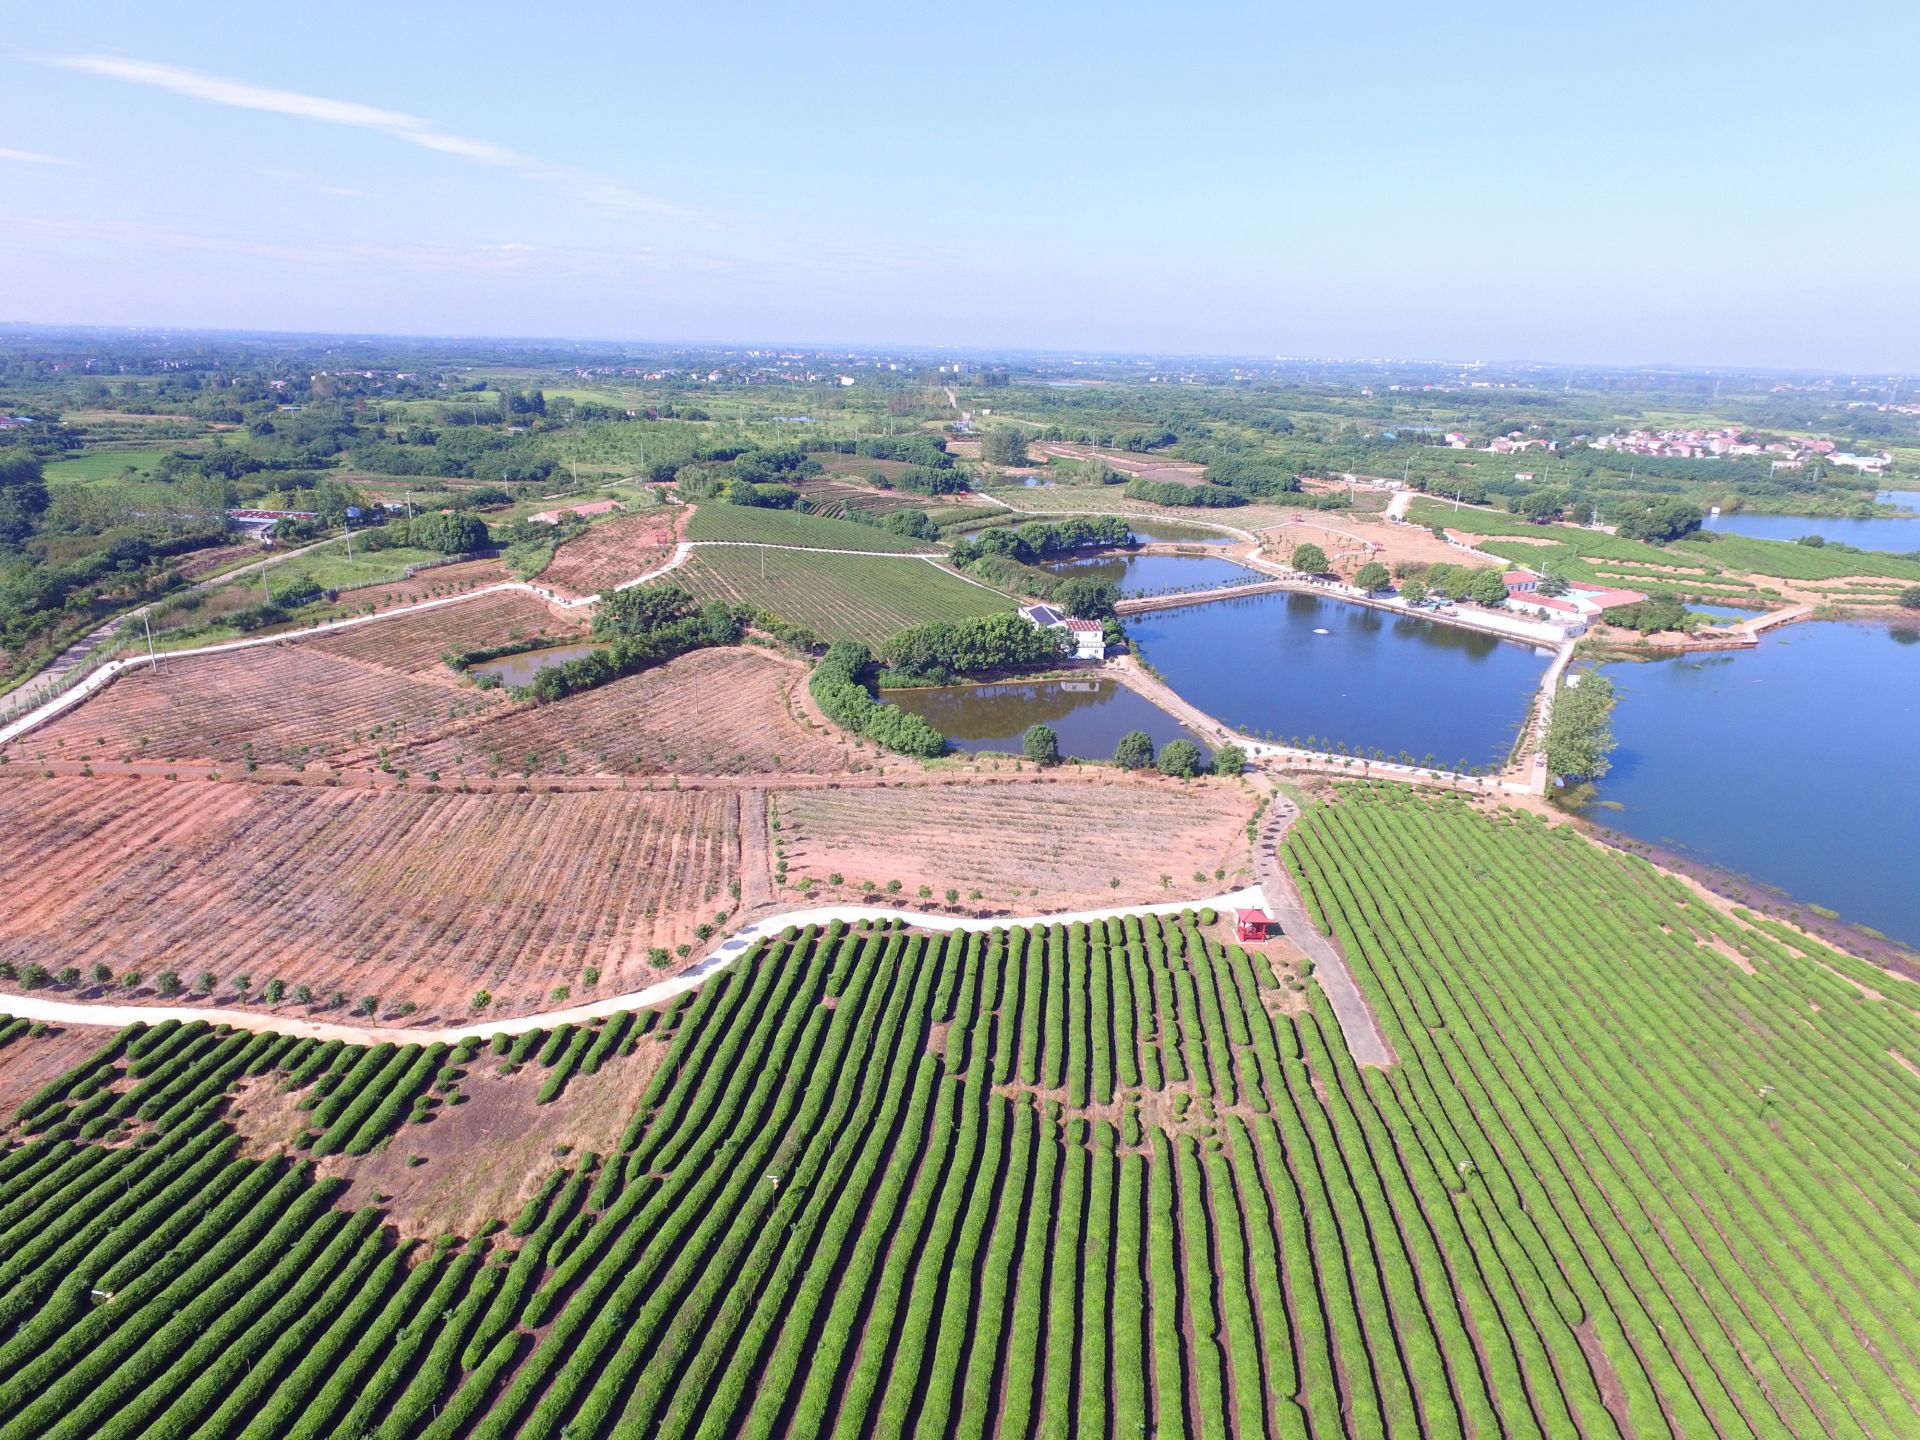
(73, 1012)
(1350, 1008)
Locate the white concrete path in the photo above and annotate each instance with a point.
(741, 942)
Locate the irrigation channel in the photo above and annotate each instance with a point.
(1795, 763)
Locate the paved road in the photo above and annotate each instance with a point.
(1364, 1040)
(74, 1012)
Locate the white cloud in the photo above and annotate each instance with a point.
(609, 196)
(30, 157)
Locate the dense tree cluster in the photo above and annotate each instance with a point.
(1580, 736)
(1655, 613)
(450, 534)
(840, 687)
(1038, 539)
(945, 650)
(1657, 521)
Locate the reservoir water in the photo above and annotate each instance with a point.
(1155, 574)
(1089, 715)
(520, 667)
(1898, 535)
(1794, 763)
(1296, 665)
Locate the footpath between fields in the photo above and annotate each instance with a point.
(740, 943)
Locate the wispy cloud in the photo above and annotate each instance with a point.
(30, 157)
(611, 196)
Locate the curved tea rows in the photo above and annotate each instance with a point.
(1639, 1172)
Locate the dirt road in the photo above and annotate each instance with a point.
(739, 943)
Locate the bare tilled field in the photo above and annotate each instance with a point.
(417, 642)
(274, 705)
(612, 552)
(713, 712)
(1026, 847)
(417, 899)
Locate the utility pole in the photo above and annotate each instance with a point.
(153, 658)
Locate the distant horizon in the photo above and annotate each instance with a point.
(884, 347)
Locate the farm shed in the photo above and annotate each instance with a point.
(1250, 924)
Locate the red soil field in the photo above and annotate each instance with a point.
(423, 898)
(417, 643)
(280, 704)
(713, 712)
(1029, 848)
(612, 552)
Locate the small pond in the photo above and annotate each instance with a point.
(520, 668)
(1155, 574)
(1172, 532)
(1089, 715)
(1297, 665)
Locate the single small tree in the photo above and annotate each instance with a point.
(482, 999)
(1488, 588)
(1229, 760)
(276, 991)
(1413, 591)
(1004, 445)
(1041, 745)
(169, 984)
(1553, 583)
(1135, 750)
(1310, 559)
(101, 974)
(1180, 758)
(207, 982)
(1371, 576)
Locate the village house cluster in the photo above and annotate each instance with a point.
(1786, 452)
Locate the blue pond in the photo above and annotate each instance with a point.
(1155, 574)
(1089, 715)
(1296, 665)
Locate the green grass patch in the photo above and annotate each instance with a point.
(837, 596)
(716, 521)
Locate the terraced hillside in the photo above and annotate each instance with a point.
(1640, 1172)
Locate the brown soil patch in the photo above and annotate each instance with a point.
(419, 642)
(484, 1158)
(1128, 462)
(1714, 942)
(281, 704)
(1867, 991)
(418, 897)
(1612, 1393)
(35, 1060)
(724, 712)
(614, 551)
(1028, 848)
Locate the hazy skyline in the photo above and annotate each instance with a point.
(1651, 184)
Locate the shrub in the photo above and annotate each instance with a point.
(1180, 758)
(1041, 745)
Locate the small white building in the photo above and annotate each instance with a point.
(1089, 636)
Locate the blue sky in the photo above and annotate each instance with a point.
(1695, 181)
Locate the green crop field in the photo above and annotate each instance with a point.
(1641, 1170)
(715, 521)
(94, 465)
(837, 596)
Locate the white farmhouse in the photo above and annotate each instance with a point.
(1089, 636)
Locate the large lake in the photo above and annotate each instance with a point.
(1155, 574)
(1797, 763)
(1089, 715)
(1900, 535)
(1374, 679)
